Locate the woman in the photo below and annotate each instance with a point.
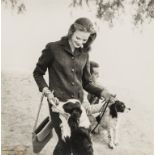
(67, 61)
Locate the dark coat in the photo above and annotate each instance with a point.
(69, 72)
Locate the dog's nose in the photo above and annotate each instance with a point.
(129, 109)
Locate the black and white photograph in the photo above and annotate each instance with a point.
(77, 77)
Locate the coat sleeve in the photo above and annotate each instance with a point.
(88, 85)
(41, 67)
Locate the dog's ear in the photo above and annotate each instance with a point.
(69, 107)
(120, 106)
(113, 110)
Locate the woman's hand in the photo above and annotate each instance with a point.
(50, 96)
(108, 96)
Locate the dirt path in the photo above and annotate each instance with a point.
(20, 99)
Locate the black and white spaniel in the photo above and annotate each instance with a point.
(110, 121)
(75, 126)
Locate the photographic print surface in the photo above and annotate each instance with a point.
(123, 49)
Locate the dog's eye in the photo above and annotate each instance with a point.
(123, 106)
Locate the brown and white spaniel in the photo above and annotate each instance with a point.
(110, 121)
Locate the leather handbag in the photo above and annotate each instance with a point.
(42, 133)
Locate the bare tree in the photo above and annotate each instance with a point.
(17, 5)
(106, 10)
(145, 10)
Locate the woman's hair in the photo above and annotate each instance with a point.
(85, 25)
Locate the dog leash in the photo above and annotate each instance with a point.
(104, 107)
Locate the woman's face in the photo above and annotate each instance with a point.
(79, 38)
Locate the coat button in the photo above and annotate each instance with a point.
(73, 69)
(72, 96)
(73, 83)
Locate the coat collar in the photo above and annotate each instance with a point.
(64, 42)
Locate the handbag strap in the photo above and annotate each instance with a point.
(36, 121)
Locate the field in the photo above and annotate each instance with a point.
(20, 100)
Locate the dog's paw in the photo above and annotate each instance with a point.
(116, 143)
(111, 146)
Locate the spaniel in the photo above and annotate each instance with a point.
(75, 126)
(110, 121)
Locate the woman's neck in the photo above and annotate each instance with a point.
(71, 46)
